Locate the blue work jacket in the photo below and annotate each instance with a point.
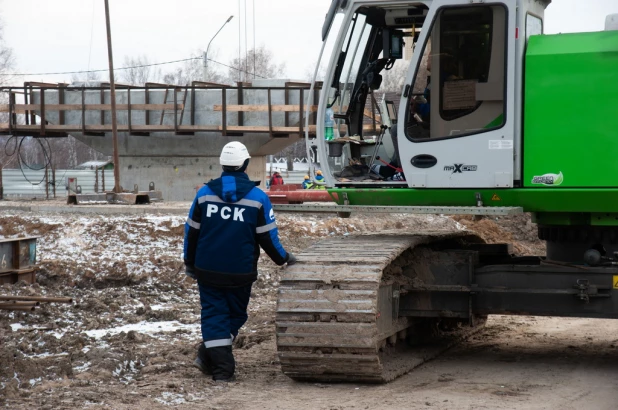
(228, 222)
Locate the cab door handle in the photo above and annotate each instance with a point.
(424, 161)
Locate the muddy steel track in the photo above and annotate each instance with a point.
(337, 311)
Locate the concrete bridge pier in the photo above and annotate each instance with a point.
(178, 164)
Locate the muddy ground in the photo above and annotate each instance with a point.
(130, 336)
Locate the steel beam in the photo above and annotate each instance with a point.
(17, 260)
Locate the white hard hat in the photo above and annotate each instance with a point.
(234, 154)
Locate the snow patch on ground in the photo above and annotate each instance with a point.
(171, 399)
(144, 327)
(16, 326)
(82, 368)
(35, 381)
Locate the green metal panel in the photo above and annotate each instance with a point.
(546, 199)
(571, 112)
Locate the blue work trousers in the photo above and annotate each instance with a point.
(224, 311)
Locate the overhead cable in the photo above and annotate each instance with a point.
(131, 67)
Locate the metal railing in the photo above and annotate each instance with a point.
(31, 113)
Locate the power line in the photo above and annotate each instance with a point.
(238, 69)
(131, 67)
(104, 69)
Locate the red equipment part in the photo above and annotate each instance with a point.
(295, 194)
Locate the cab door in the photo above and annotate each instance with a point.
(458, 126)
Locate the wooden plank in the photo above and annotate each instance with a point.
(263, 108)
(22, 108)
(283, 108)
(25, 108)
(199, 128)
(283, 130)
(106, 127)
(152, 128)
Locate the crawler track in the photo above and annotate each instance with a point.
(337, 316)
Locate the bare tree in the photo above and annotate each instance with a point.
(259, 63)
(38, 152)
(7, 60)
(6, 146)
(138, 71)
(393, 79)
(88, 78)
(59, 153)
(193, 70)
(67, 153)
(310, 70)
(7, 63)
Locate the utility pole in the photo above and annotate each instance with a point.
(112, 85)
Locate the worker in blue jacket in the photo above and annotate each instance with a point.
(307, 184)
(320, 181)
(229, 221)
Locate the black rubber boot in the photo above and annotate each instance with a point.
(202, 361)
(222, 362)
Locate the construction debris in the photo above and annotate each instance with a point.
(28, 303)
(121, 198)
(36, 299)
(18, 260)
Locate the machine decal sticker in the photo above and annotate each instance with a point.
(495, 197)
(500, 144)
(548, 179)
(460, 168)
(615, 282)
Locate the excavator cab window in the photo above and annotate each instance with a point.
(372, 61)
(534, 25)
(459, 86)
(348, 72)
(375, 41)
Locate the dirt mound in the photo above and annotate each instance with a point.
(518, 230)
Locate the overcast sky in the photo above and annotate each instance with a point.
(69, 35)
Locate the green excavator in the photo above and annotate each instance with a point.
(492, 118)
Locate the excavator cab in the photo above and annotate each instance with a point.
(455, 68)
